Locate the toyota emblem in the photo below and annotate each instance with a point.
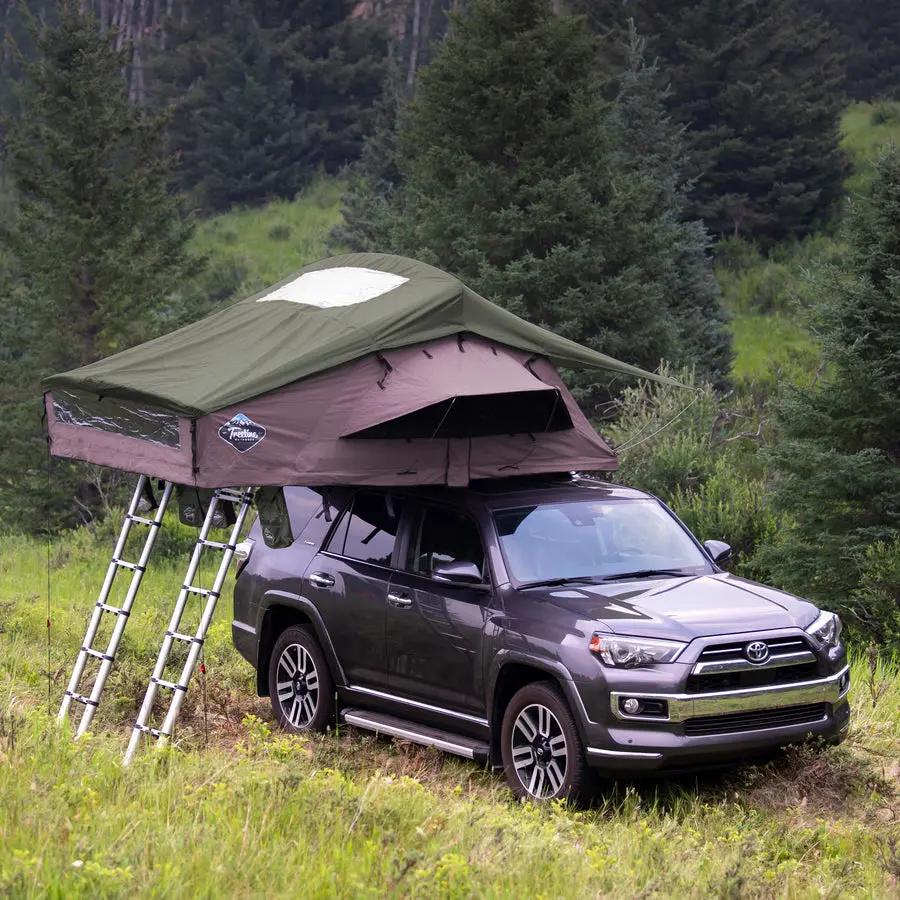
(757, 651)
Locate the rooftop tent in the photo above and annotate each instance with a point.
(363, 369)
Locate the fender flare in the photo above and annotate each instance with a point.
(276, 598)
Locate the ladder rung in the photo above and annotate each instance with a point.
(234, 496)
(97, 654)
(216, 545)
(154, 731)
(187, 638)
(140, 520)
(168, 684)
(200, 592)
(128, 565)
(82, 699)
(113, 609)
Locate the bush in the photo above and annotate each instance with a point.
(699, 456)
(873, 611)
(280, 232)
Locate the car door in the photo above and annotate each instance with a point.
(348, 582)
(436, 630)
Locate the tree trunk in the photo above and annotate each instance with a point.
(414, 45)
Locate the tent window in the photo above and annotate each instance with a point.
(368, 532)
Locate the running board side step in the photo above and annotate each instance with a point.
(470, 748)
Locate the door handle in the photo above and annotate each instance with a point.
(401, 601)
(321, 579)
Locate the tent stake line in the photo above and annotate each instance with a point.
(107, 656)
(179, 688)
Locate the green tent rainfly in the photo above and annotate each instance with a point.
(366, 368)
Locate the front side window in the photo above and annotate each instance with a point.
(595, 539)
(368, 530)
(444, 536)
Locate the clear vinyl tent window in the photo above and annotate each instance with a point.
(117, 417)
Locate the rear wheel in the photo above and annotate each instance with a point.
(300, 686)
(542, 754)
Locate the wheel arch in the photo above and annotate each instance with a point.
(281, 610)
(511, 673)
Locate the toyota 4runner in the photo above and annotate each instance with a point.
(553, 627)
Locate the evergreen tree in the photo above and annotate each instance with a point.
(839, 454)
(651, 148)
(97, 244)
(266, 92)
(871, 34)
(757, 85)
(513, 184)
(373, 200)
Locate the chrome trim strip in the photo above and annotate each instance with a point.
(409, 734)
(436, 709)
(621, 754)
(689, 706)
(744, 665)
(243, 626)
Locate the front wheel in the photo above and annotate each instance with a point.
(300, 686)
(542, 754)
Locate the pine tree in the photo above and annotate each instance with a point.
(871, 34)
(757, 84)
(267, 92)
(373, 201)
(513, 184)
(839, 454)
(97, 245)
(651, 148)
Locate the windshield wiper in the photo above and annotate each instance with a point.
(647, 573)
(558, 582)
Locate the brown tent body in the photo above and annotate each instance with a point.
(438, 412)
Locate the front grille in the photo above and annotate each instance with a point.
(735, 651)
(755, 720)
(751, 678)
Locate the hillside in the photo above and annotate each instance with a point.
(247, 811)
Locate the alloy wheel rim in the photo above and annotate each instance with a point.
(539, 751)
(297, 684)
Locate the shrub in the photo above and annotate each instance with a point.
(280, 232)
(701, 457)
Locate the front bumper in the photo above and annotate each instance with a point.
(643, 744)
(689, 706)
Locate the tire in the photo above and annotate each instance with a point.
(543, 758)
(304, 703)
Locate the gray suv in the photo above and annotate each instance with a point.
(556, 627)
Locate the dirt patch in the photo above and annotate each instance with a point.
(836, 782)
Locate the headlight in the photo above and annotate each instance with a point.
(631, 652)
(827, 629)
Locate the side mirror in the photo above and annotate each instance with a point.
(719, 551)
(458, 572)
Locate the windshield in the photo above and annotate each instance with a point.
(594, 540)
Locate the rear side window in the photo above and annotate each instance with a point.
(368, 530)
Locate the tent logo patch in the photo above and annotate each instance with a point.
(242, 433)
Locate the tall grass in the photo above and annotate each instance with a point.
(249, 811)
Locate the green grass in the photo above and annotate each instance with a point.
(865, 128)
(256, 247)
(251, 812)
(773, 347)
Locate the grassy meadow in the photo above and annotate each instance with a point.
(237, 808)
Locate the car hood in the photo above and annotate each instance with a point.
(685, 608)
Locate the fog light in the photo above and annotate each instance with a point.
(631, 706)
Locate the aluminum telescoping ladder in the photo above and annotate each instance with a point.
(243, 498)
(107, 656)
